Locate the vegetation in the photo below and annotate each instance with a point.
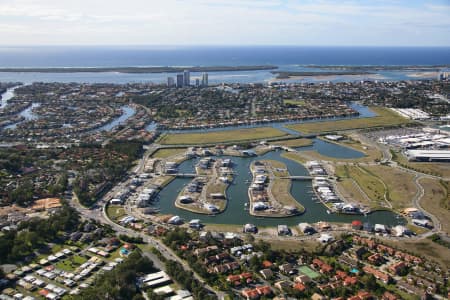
(228, 136)
(95, 177)
(385, 118)
(301, 142)
(164, 153)
(119, 284)
(34, 175)
(36, 233)
(131, 239)
(187, 280)
(372, 186)
(436, 200)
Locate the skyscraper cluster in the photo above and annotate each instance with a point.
(184, 80)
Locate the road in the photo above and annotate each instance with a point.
(99, 214)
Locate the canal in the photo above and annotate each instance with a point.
(300, 190)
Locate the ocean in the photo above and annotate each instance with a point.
(289, 58)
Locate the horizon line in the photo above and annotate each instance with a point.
(223, 45)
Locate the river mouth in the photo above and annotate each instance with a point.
(302, 191)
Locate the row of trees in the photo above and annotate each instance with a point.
(36, 233)
(121, 283)
(187, 280)
(107, 171)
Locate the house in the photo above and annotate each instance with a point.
(283, 285)
(287, 268)
(397, 268)
(385, 278)
(317, 296)
(267, 264)
(349, 281)
(299, 287)
(388, 296)
(302, 279)
(266, 273)
(376, 259)
(256, 292)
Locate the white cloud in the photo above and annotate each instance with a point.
(222, 22)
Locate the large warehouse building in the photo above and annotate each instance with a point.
(428, 155)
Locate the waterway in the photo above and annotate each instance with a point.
(364, 112)
(300, 190)
(6, 96)
(27, 114)
(128, 112)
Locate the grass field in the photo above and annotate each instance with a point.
(293, 245)
(294, 143)
(369, 183)
(164, 153)
(281, 188)
(71, 263)
(295, 157)
(349, 191)
(240, 135)
(400, 185)
(281, 192)
(115, 212)
(435, 201)
(385, 117)
(308, 272)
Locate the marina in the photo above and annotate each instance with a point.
(237, 194)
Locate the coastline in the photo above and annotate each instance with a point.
(138, 70)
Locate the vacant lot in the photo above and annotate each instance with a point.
(226, 136)
(400, 185)
(115, 212)
(294, 143)
(435, 201)
(371, 185)
(164, 153)
(385, 117)
(375, 181)
(349, 190)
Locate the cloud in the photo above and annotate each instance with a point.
(223, 21)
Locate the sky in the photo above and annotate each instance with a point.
(225, 22)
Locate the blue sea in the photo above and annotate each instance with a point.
(286, 57)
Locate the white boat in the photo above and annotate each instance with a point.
(328, 211)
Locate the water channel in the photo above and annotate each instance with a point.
(300, 190)
(364, 112)
(6, 96)
(128, 112)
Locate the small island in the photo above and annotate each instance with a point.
(206, 193)
(269, 192)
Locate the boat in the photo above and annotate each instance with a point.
(328, 211)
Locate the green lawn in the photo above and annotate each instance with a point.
(164, 153)
(294, 102)
(71, 263)
(226, 136)
(294, 143)
(385, 117)
(115, 211)
(308, 272)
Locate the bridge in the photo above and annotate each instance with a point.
(187, 175)
(298, 177)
